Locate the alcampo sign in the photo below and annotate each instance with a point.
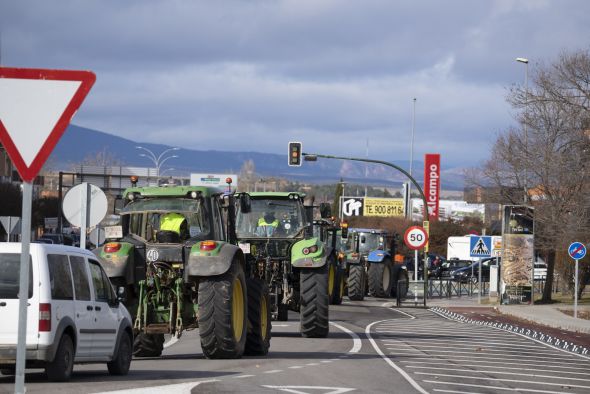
(432, 183)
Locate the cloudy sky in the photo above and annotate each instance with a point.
(253, 75)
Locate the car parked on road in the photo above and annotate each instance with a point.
(74, 315)
(448, 267)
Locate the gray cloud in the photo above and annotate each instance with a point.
(253, 75)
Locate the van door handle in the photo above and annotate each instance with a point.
(89, 307)
(2, 303)
(97, 308)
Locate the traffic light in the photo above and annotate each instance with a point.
(295, 154)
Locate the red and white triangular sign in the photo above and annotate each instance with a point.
(36, 106)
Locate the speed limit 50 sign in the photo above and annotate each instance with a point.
(415, 237)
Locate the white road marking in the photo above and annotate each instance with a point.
(356, 340)
(388, 360)
(274, 371)
(518, 366)
(312, 364)
(326, 361)
(535, 375)
(472, 342)
(404, 313)
(242, 376)
(296, 367)
(462, 377)
(297, 389)
(171, 342)
(179, 388)
(483, 349)
(493, 388)
(484, 358)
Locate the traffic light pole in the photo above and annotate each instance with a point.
(314, 156)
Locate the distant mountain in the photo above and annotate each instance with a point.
(79, 143)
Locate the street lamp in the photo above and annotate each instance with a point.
(158, 160)
(408, 204)
(526, 137)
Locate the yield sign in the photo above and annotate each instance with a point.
(36, 106)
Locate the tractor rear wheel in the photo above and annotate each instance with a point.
(148, 345)
(259, 326)
(223, 313)
(356, 282)
(314, 302)
(380, 278)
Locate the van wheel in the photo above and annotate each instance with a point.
(60, 369)
(120, 364)
(148, 345)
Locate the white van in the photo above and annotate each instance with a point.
(73, 315)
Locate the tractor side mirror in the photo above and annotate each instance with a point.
(245, 204)
(325, 210)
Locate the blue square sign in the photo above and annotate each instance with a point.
(480, 246)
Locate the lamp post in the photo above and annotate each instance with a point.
(157, 160)
(526, 137)
(408, 205)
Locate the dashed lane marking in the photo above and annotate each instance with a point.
(180, 388)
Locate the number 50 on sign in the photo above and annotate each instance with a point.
(415, 237)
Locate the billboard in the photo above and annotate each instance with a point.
(518, 241)
(372, 206)
(213, 180)
(432, 183)
(449, 209)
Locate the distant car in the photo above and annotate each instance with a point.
(43, 240)
(448, 267)
(58, 238)
(471, 272)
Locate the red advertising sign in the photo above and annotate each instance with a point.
(432, 183)
(36, 106)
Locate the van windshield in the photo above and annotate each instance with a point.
(10, 276)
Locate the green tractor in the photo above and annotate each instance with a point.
(331, 235)
(176, 255)
(371, 266)
(276, 236)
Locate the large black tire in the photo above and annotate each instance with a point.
(314, 302)
(60, 369)
(400, 281)
(381, 278)
(259, 318)
(356, 283)
(223, 313)
(339, 286)
(120, 364)
(148, 345)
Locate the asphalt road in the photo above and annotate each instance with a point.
(371, 348)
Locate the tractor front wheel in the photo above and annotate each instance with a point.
(223, 313)
(314, 302)
(380, 278)
(357, 282)
(259, 317)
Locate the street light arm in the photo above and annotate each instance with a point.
(161, 163)
(426, 215)
(151, 154)
(166, 151)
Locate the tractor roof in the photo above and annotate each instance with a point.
(275, 195)
(367, 230)
(171, 191)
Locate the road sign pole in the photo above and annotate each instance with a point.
(479, 284)
(576, 291)
(84, 214)
(416, 276)
(23, 294)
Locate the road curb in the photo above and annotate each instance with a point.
(539, 336)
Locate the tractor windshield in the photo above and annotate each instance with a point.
(283, 218)
(169, 220)
(370, 241)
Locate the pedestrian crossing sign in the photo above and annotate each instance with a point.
(480, 246)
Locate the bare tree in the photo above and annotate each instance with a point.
(549, 157)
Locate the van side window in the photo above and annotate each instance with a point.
(103, 290)
(60, 277)
(10, 276)
(81, 285)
